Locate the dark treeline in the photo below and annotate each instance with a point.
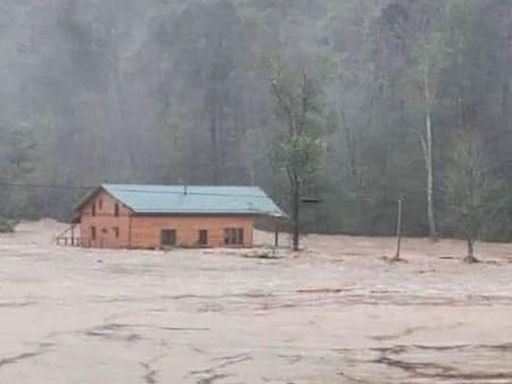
(410, 92)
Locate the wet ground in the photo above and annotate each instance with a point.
(336, 313)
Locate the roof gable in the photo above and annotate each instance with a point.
(179, 199)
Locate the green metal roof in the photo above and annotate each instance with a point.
(167, 199)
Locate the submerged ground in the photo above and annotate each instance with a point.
(337, 313)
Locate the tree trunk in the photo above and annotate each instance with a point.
(470, 258)
(349, 137)
(276, 234)
(295, 217)
(429, 159)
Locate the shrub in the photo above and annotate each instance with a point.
(6, 226)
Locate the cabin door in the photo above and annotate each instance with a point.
(104, 243)
(168, 238)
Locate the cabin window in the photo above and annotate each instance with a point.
(93, 209)
(203, 237)
(100, 204)
(116, 209)
(93, 233)
(234, 236)
(168, 237)
(116, 231)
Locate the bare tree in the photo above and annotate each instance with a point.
(427, 145)
(431, 61)
(468, 190)
(430, 53)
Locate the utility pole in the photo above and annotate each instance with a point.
(398, 230)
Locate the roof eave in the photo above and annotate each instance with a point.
(207, 213)
(91, 195)
(87, 197)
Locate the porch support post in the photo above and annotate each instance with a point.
(276, 234)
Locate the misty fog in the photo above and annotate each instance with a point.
(408, 93)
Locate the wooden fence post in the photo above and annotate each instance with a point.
(399, 230)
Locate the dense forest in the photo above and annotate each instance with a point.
(412, 99)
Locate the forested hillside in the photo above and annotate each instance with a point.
(415, 98)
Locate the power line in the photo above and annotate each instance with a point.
(84, 188)
(49, 186)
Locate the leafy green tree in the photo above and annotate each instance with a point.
(299, 146)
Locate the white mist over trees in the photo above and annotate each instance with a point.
(179, 92)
